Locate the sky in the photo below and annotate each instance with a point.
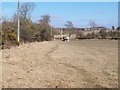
(80, 13)
(61, 0)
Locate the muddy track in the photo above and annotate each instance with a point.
(49, 52)
(89, 68)
(87, 78)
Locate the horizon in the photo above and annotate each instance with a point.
(80, 13)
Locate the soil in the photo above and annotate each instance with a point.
(74, 64)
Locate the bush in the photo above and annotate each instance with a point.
(9, 38)
(79, 35)
(103, 34)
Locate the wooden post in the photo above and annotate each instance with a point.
(18, 32)
(61, 33)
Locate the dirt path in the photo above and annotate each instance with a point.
(81, 64)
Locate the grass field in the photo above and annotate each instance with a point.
(74, 64)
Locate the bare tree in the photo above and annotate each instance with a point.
(44, 22)
(92, 24)
(45, 28)
(45, 19)
(26, 9)
(69, 24)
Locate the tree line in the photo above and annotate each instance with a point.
(102, 34)
(29, 31)
(95, 32)
(41, 31)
